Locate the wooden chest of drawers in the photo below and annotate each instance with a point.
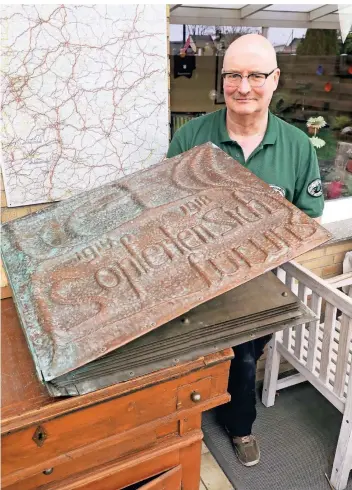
(146, 430)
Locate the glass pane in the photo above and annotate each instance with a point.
(315, 95)
(315, 82)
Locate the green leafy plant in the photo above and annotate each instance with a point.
(341, 122)
(346, 47)
(319, 42)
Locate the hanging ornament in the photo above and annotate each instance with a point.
(320, 70)
(328, 87)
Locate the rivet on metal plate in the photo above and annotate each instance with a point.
(213, 226)
(284, 294)
(48, 471)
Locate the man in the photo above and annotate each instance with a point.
(280, 155)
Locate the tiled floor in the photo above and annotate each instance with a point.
(212, 476)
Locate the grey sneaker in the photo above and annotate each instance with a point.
(247, 450)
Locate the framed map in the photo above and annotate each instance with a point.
(85, 96)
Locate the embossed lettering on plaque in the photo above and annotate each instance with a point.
(96, 271)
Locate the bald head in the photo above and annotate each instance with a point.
(253, 49)
(250, 55)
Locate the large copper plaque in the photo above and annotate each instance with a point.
(96, 271)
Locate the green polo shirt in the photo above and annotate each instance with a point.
(285, 159)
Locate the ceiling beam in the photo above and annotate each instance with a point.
(175, 6)
(227, 17)
(322, 11)
(252, 9)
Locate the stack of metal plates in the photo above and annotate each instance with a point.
(259, 307)
(94, 273)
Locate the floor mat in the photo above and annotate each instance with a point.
(297, 437)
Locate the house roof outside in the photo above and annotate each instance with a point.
(288, 48)
(279, 48)
(292, 47)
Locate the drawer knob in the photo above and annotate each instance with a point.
(195, 397)
(48, 471)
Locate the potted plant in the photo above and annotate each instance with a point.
(314, 124)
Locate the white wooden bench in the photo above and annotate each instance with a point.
(320, 352)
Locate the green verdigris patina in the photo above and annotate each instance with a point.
(101, 269)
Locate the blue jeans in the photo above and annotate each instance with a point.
(240, 413)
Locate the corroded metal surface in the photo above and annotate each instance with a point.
(96, 271)
(239, 315)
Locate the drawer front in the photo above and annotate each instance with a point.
(112, 449)
(57, 471)
(84, 427)
(138, 468)
(171, 480)
(194, 394)
(64, 438)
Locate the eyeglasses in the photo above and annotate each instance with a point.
(254, 79)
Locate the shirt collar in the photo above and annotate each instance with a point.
(223, 134)
(269, 137)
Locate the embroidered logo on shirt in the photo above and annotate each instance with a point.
(278, 189)
(315, 188)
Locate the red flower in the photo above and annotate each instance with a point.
(334, 189)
